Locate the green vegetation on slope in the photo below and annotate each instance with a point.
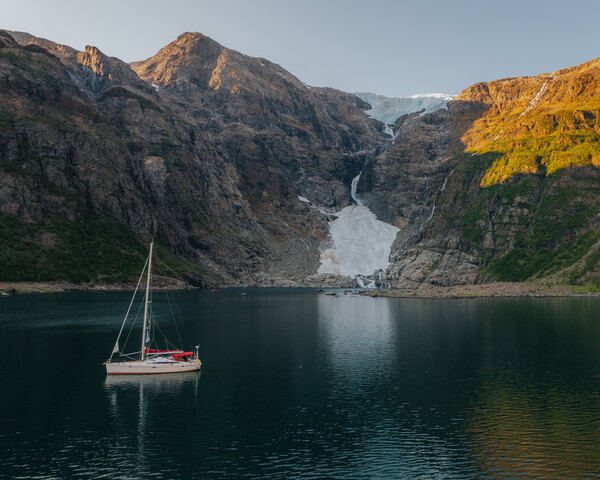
(544, 143)
(537, 125)
(92, 249)
(541, 224)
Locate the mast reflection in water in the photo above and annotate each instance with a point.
(153, 393)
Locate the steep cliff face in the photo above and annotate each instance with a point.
(409, 185)
(502, 185)
(265, 117)
(70, 164)
(210, 159)
(284, 138)
(535, 153)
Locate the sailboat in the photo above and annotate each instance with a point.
(149, 360)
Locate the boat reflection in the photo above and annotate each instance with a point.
(171, 382)
(137, 405)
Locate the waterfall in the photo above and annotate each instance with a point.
(364, 282)
(446, 181)
(353, 187)
(359, 244)
(424, 224)
(535, 99)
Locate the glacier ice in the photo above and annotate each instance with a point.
(388, 109)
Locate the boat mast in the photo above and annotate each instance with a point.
(146, 302)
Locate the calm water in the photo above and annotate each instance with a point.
(296, 384)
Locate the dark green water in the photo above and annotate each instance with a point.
(296, 384)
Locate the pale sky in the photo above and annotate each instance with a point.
(393, 48)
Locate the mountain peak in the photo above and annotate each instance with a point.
(180, 60)
(191, 37)
(93, 58)
(63, 52)
(193, 43)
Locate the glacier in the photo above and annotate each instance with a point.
(360, 244)
(388, 109)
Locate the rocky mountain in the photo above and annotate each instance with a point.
(237, 168)
(207, 150)
(506, 183)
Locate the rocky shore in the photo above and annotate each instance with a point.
(494, 289)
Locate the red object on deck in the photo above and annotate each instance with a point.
(179, 356)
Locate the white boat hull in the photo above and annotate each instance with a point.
(151, 367)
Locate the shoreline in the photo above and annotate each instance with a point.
(493, 289)
(17, 288)
(488, 290)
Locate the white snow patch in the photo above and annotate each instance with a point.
(388, 110)
(303, 199)
(361, 243)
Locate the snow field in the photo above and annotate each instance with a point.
(361, 243)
